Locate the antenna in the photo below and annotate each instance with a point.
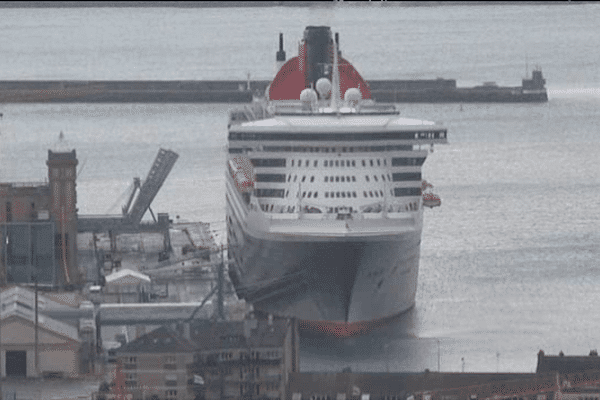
(335, 80)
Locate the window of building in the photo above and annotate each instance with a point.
(303, 194)
(325, 163)
(312, 178)
(292, 163)
(344, 195)
(367, 178)
(170, 362)
(290, 177)
(326, 178)
(316, 194)
(365, 194)
(363, 163)
(347, 179)
(295, 177)
(378, 162)
(354, 179)
(309, 195)
(337, 194)
(354, 194)
(130, 379)
(337, 178)
(375, 177)
(370, 193)
(337, 163)
(343, 179)
(316, 163)
(353, 163)
(326, 195)
(371, 161)
(303, 178)
(170, 380)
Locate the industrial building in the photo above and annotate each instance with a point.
(38, 227)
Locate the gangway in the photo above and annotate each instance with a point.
(165, 159)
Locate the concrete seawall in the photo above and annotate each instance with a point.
(240, 91)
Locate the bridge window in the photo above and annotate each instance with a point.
(269, 192)
(270, 177)
(268, 162)
(396, 162)
(406, 176)
(399, 192)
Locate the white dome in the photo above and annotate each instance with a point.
(308, 96)
(352, 95)
(324, 88)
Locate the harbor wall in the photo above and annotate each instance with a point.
(243, 91)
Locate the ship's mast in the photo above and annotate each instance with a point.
(335, 80)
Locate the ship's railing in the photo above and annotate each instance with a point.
(371, 211)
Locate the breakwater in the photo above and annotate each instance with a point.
(242, 91)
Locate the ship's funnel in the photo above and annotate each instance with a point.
(318, 43)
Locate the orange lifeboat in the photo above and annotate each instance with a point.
(242, 172)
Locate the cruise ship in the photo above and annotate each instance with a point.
(325, 195)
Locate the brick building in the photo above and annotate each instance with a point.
(38, 227)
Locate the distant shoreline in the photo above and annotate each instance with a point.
(253, 4)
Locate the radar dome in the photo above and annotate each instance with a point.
(324, 88)
(352, 96)
(308, 96)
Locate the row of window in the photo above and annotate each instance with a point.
(281, 162)
(396, 177)
(312, 149)
(336, 137)
(397, 192)
(372, 208)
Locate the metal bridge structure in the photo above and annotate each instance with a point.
(138, 203)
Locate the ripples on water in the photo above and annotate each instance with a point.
(509, 262)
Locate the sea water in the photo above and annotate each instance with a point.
(509, 262)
